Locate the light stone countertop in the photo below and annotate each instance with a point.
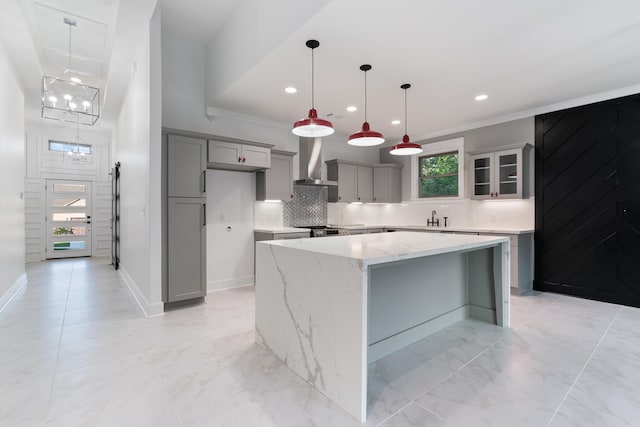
(387, 247)
(470, 229)
(281, 229)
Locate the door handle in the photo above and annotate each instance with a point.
(204, 214)
(204, 181)
(626, 210)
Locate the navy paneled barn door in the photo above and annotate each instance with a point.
(588, 201)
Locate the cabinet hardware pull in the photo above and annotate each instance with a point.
(244, 159)
(239, 159)
(204, 210)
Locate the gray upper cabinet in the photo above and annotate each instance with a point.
(186, 166)
(276, 183)
(187, 237)
(238, 156)
(502, 174)
(355, 181)
(387, 183)
(364, 184)
(360, 182)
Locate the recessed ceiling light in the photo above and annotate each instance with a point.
(482, 97)
(352, 108)
(75, 80)
(395, 122)
(290, 89)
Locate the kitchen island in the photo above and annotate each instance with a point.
(327, 307)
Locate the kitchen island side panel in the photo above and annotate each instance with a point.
(311, 313)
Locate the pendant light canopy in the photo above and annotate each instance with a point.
(405, 148)
(366, 137)
(312, 126)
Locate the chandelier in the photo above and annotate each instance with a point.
(69, 100)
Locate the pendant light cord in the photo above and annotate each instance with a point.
(365, 96)
(69, 59)
(405, 111)
(313, 105)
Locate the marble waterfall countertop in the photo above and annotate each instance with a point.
(386, 247)
(326, 307)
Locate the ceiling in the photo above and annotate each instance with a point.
(528, 57)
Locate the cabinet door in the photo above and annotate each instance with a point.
(482, 179)
(186, 267)
(347, 182)
(186, 166)
(225, 152)
(278, 184)
(255, 156)
(508, 174)
(365, 183)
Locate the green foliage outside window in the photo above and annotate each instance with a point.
(59, 231)
(439, 175)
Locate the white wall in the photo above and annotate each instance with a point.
(12, 171)
(137, 145)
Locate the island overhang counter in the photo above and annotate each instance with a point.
(327, 307)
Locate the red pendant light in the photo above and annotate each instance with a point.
(366, 137)
(312, 126)
(405, 148)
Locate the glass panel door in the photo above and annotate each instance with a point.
(482, 175)
(508, 174)
(68, 219)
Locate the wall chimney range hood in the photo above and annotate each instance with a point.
(311, 163)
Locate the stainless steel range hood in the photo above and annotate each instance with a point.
(311, 163)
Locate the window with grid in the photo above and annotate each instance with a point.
(438, 175)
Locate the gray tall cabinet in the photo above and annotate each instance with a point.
(186, 163)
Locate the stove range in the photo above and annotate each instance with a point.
(323, 230)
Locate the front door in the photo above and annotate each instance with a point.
(68, 219)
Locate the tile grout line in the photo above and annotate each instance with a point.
(584, 367)
(55, 366)
(451, 375)
(471, 360)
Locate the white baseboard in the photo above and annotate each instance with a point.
(236, 282)
(149, 310)
(6, 298)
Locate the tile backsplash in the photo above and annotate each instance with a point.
(308, 206)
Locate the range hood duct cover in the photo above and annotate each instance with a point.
(311, 163)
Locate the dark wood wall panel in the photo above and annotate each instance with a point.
(588, 201)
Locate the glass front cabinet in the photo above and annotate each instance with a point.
(502, 174)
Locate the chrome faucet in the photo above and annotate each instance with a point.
(433, 220)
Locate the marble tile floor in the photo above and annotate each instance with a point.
(76, 351)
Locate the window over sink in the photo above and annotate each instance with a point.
(438, 171)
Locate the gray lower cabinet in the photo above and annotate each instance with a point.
(187, 249)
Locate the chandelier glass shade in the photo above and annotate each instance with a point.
(68, 101)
